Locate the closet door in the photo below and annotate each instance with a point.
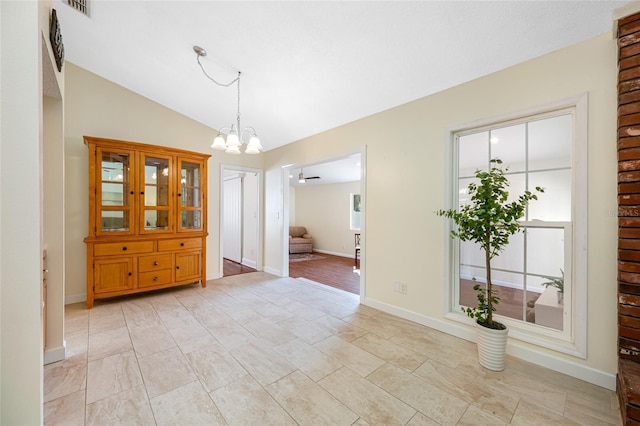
(232, 219)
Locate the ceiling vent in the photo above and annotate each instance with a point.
(81, 6)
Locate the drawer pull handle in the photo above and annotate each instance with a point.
(141, 192)
(132, 192)
(155, 263)
(155, 278)
(181, 244)
(124, 248)
(130, 274)
(177, 267)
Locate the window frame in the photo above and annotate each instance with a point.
(574, 340)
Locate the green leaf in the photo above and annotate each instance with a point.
(489, 221)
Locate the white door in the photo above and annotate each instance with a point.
(232, 219)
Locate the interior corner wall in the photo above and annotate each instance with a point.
(407, 183)
(95, 106)
(325, 211)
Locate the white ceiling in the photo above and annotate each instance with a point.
(336, 171)
(309, 66)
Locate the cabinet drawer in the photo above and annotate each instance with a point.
(133, 247)
(154, 278)
(180, 244)
(154, 263)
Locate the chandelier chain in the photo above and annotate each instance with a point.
(213, 79)
(238, 115)
(234, 136)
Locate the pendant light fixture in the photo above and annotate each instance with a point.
(235, 133)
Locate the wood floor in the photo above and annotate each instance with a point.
(510, 304)
(234, 268)
(334, 271)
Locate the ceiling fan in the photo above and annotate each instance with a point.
(302, 178)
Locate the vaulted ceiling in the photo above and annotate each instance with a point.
(308, 66)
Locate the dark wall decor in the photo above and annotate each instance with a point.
(55, 36)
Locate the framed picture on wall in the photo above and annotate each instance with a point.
(354, 208)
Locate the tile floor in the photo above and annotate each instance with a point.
(259, 350)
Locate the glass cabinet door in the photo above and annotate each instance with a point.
(114, 192)
(155, 198)
(190, 196)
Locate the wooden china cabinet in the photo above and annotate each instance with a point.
(147, 218)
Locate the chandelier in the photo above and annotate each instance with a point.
(235, 133)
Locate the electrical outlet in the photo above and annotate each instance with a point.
(400, 287)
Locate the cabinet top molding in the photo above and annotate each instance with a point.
(107, 142)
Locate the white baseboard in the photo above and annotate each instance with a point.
(55, 354)
(272, 271)
(457, 330)
(213, 276)
(250, 263)
(573, 369)
(75, 298)
(514, 347)
(334, 253)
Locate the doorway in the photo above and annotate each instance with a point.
(240, 220)
(320, 196)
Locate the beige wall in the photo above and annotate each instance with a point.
(405, 160)
(97, 107)
(324, 210)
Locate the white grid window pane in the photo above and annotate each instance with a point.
(512, 257)
(550, 142)
(509, 145)
(471, 254)
(473, 153)
(555, 203)
(545, 251)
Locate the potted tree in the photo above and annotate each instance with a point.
(489, 220)
(558, 284)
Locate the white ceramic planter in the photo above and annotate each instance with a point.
(492, 347)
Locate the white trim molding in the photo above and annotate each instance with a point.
(55, 354)
(572, 340)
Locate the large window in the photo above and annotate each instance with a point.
(538, 274)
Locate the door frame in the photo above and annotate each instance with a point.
(287, 170)
(235, 177)
(259, 202)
